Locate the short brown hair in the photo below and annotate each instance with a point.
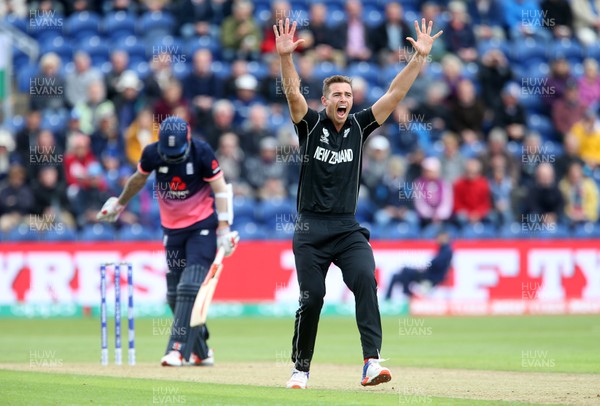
(335, 79)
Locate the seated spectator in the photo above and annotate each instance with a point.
(510, 115)
(497, 141)
(87, 201)
(202, 87)
(544, 202)
(431, 11)
(246, 96)
(258, 169)
(589, 83)
(161, 76)
(532, 155)
(254, 130)
(7, 146)
(392, 197)
(51, 202)
(128, 100)
(375, 161)
(472, 197)
(240, 34)
(559, 13)
(434, 195)
(311, 87)
(107, 138)
(487, 19)
(195, 18)
(494, 73)
(559, 79)
(272, 189)
(119, 61)
(45, 152)
(360, 88)
(432, 275)
(567, 110)
(580, 194)
(453, 163)
(388, 40)
(433, 109)
(280, 10)
(452, 69)
(239, 68)
(501, 190)
(171, 98)
(95, 106)
(16, 199)
(570, 155)
(140, 133)
(467, 113)
(586, 20)
(324, 42)
(27, 136)
(231, 157)
(79, 81)
(459, 34)
(355, 33)
(47, 89)
(78, 159)
(271, 86)
(221, 122)
(587, 132)
(406, 134)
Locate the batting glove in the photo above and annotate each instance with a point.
(228, 240)
(110, 211)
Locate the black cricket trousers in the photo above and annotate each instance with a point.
(319, 240)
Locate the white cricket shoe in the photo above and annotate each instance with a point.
(299, 380)
(374, 374)
(172, 359)
(195, 360)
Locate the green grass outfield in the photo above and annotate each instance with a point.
(546, 344)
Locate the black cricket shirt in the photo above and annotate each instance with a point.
(330, 171)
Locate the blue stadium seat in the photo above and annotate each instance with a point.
(59, 234)
(372, 17)
(558, 231)
(276, 211)
(399, 231)
(512, 231)
(15, 21)
(587, 230)
(221, 70)
(432, 230)
(325, 69)
(19, 59)
(54, 121)
(22, 233)
(82, 25)
(142, 69)
(156, 24)
(542, 125)
(567, 49)
(137, 232)
(244, 209)
(59, 45)
(532, 103)
(485, 46)
(258, 70)
(97, 232)
(368, 71)
(96, 48)
(251, 231)
(205, 42)
(593, 51)
(118, 25)
(336, 16)
(14, 124)
(24, 76)
(135, 49)
(529, 52)
(364, 210)
(478, 231)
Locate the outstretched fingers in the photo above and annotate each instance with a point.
(293, 30)
(417, 28)
(437, 35)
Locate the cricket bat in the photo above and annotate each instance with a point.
(207, 290)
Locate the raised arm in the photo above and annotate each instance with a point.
(290, 81)
(404, 80)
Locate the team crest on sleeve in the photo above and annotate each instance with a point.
(325, 136)
(215, 166)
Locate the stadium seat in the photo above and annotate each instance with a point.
(250, 231)
(24, 76)
(54, 121)
(587, 230)
(323, 70)
(22, 233)
(142, 69)
(118, 25)
(137, 232)
(244, 209)
(16, 22)
(336, 16)
(432, 230)
(155, 24)
(364, 210)
(478, 231)
(135, 49)
(372, 17)
(257, 69)
(375, 93)
(14, 124)
(593, 51)
(556, 231)
(541, 124)
(59, 234)
(399, 231)
(221, 70)
(82, 25)
(96, 48)
(205, 42)
(532, 103)
(276, 211)
(567, 49)
(529, 51)
(59, 45)
(512, 231)
(97, 232)
(485, 46)
(368, 71)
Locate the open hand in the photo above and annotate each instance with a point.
(284, 37)
(424, 40)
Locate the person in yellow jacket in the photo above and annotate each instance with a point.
(140, 133)
(581, 195)
(587, 132)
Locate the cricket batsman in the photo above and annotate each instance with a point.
(196, 212)
(327, 231)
